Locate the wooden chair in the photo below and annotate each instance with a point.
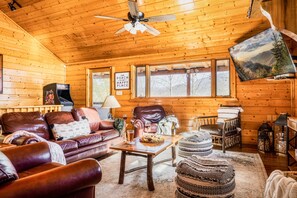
(224, 129)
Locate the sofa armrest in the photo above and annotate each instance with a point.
(230, 125)
(31, 155)
(57, 182)
(23, 140)
(106, 124)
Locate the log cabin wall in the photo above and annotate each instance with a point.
(27, 66)
(262, 100)
(283, 15)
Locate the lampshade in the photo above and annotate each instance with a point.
(282, 119)
(111, 102)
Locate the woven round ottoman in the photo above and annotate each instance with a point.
(195, 143)
(204, 177)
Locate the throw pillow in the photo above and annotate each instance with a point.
(7, 170)
(71, 130)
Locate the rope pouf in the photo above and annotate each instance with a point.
(204, 177)
(195, 143)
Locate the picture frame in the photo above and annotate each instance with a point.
(121, 80)
(261, 56)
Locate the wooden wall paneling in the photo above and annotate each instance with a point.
(262, 100)
(291, 15)
(27, 66)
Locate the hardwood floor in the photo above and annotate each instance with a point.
(271, 161)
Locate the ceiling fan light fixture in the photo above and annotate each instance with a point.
(137, 22)
(128, 27)
(140, 27)
(133, 31)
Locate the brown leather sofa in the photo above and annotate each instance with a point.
(151, 115)
(27, 171)
(92, 145)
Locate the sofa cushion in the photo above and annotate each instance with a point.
(27, 121)
(68, 145)
(71, 130)
(39, 169)
(153, 113)
(108, 134)
(90, 113)
(213, 129)
(88, 139)
(59, 117)
(7, 170)
(216, 129)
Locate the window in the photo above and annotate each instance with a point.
(223, 78)
(200, 79)
(100, 86)
(140, 81)
(197, 79)
(167, 81)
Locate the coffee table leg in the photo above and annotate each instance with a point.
(173, 156)
(122, 168)
(150, 182)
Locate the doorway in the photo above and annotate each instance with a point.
(99, 89)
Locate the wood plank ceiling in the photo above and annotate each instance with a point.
(69, 29)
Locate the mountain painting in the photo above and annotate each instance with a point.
(261, 56)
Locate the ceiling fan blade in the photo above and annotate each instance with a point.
(161, 18)
(110, 17)
(133, 7)
(120, 30)
(151, 30)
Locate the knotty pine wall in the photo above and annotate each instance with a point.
(261, 100)
(27, 66)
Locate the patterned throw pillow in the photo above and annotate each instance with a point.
(71, 130)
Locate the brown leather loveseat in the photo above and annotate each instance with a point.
(28, 171)
(94, 144)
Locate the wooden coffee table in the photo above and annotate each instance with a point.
(149, 151)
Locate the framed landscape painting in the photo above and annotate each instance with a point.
(261, 56)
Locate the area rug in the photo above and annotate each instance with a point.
(250, 176)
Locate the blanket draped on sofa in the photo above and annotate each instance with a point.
(279, 185)
(56, 151)
(167, 124)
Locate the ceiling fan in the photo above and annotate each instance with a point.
(135, 18)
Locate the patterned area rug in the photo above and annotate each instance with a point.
(250, 176)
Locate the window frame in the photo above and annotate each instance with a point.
(213, 80)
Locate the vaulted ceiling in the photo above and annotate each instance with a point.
(69, 29)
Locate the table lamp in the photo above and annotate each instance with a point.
(110, 102)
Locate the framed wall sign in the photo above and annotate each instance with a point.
(122, 80)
